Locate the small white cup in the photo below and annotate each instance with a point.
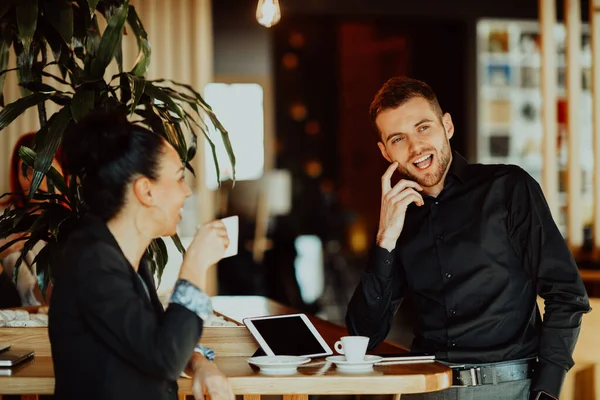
(353, 347)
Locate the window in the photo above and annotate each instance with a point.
(240, 109)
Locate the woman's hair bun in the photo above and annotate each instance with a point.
(97, 140)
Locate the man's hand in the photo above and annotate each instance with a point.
(394, 202)
(207, 377)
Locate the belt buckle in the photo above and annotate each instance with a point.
(476, 378)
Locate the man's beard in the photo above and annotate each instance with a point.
(435, 176)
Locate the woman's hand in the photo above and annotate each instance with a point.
(207, 248)
(207, 378)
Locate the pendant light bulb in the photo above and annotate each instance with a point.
(268, 12)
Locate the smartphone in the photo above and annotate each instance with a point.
(408, 356)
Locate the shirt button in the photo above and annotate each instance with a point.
(453, 312)
(453, 344)
(378, 298)
(387, 262)
(440, 237)
(448, 275)
(436, 203)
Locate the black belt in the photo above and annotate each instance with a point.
(492, 374)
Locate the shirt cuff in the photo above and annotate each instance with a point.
(205, 351)
(382, 262)
(548, 377)
(189, 296)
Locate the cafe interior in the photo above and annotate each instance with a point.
(291, 81)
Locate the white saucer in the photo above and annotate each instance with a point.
(355, 366)
(278, 365)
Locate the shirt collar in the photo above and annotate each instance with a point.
(459, 167)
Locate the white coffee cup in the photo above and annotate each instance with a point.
(353, 347)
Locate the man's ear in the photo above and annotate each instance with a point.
(383, 151)
(448, 125)
(142, 189)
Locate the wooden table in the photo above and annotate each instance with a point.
(591, 279)
(319, 377)
(258, 306)
(590, 275)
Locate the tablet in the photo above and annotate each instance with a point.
(12, 357)
(287, 335)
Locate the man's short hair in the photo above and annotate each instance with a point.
(397, 91)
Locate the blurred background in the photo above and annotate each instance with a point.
(295, 96)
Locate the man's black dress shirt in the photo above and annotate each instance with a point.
(474, 259)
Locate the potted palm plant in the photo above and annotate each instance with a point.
(70, 30)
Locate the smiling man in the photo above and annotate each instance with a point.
(474, 245)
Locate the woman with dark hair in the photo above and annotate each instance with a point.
(110, 337)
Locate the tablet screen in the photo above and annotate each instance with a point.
(288, 336)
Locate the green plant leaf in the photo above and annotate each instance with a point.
(119, 55)
(18, 107)
(4, 57)
(213, 118)
(138, 86)
(27, 15)
(57, 44)
(178, 244)
(60, 99)
(82, 103)
(31, 241)
(110, 41)
(43, 267)
(159, 94)
(10, 243)
(18, 220)
(56, 215)
(143, 59)
(5, 71)
(193, 146)
(108, 10)
(190, 168)
(173, 132)
(124, 88)
(60, 15)
(82, 20)
(92, 40)
(213, 150)
(24, 62)
(5, 5)
(56, 78)
(56, 127)
(28, 156)
(92, 5)
(38, 87)
(163, 255)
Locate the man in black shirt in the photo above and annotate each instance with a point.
(474, 245)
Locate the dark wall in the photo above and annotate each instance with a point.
(241, 46)
(447, 9)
